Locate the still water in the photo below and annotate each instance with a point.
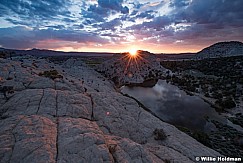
(174, 106)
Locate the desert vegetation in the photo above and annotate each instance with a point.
(159, 134)
(220, 79)
(52, 74)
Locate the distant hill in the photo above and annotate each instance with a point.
(175, 56)
(48, 53)
(221, 49)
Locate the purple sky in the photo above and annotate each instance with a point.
(119, 25)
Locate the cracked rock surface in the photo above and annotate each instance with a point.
(79, 117)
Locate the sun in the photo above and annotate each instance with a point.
(133, 52)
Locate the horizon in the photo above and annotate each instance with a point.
(99, 51)
(116, 26)
(172, 53)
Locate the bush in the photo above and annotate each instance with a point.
(226, 103)
(201, 137)
(7, 89)
(112, 148)
(2, 55)
(9, 78)
(53, 74)
(159, 134)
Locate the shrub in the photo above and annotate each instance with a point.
(159, 134)
(6, 89)
(227, 103)
(112, 148)
(2, 55)
(201, 137)
(9, 78)
(53, 74)
(167, 161)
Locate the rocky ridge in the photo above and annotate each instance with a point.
(125, 69)
(77, 116)
(221, 49)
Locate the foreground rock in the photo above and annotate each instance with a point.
(77, 116)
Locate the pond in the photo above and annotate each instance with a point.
(175, 106)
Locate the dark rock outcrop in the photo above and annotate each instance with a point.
(221, 49)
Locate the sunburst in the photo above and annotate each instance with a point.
(133, 62)
(133, 52)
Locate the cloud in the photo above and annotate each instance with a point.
(99, 12)
(213, 12)
(67, 20)
(56, 26)
(211, 21)
(179, 3)
(22, 38)
(95, 12)
(114, 5)
(92, 17)
(111, 24)
(137, 5)
(17, 22)
(17, 37)
(36, 11)
(146, 14)
(157, 23)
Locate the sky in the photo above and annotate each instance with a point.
(159, 26)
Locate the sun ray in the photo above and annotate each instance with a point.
(128, 64)
(133, 52)
(132, 62)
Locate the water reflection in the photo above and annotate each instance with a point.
(174, 106)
